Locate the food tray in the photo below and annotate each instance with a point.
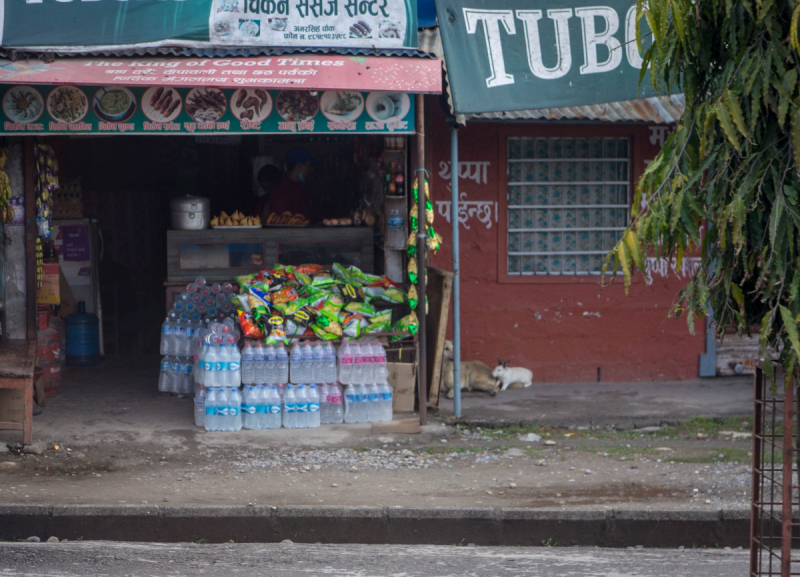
(235, 227)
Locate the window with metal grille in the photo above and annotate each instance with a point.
(568, 203)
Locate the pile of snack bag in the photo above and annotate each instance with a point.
(332, 303)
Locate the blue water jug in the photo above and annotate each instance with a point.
(83, 338)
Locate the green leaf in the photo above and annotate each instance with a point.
(727, 125)
(795, 132)
(736, 113)
(736, 293)
(635, 248)
(791, 329)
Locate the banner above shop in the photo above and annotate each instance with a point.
(68, 109)
(302, 72)
(521, 55)
(50, 24)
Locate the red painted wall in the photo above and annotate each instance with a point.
(562, 328)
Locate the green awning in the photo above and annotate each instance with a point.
(510, 55)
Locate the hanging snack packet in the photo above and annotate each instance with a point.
(413, 297)
(277, 332)
(412, 270)
(364, 309)
(250, 328)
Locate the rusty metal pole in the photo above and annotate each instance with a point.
(786, 481)
(422, 376)
(756, 519)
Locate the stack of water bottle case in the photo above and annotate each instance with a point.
(296, 390)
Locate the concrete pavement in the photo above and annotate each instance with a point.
(293, 560)
(623, 405)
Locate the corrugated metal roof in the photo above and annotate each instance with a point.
(656, 110)
(193, 50)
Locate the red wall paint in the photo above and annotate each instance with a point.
(563, 329)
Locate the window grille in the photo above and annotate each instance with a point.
(568, 203)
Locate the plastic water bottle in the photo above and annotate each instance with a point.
(274, 418)
(165, 377)
(308, 362)
(188, 337)
(337, 406)
(395, 226)
(210, 365)
(330, 363)
(373, 403)
(166, 335)
(358, 365)
(361, 403)
(263, 407)
(350, 402)
(282, 373)
(234, 362)
(387, 394)
(248, 367)
(324, 404)
(175, 374)
(289, 408)
(212, 420)
(367, 350)
(346, 364)
(177, 337)
(302, 407)
(296, 364)
(200, 407)
(222, 410)
(313, 407)
(318, 366)
(235, 409)
(379, 360)
(268, 371)
(187, 367)
(250, 408)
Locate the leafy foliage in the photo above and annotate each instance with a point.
(726, 182)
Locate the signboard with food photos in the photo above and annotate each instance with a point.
(67, 109)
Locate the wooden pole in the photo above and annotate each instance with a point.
(30, 236)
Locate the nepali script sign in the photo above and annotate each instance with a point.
(527, 54)
(50, 24)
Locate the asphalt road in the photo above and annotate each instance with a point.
(105, 558)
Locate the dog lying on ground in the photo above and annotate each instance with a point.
(475, 375)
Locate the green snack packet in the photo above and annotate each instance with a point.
(373, 292)
(364, 309)
(384, 317)
(393, 295)
(322, 333)
(352, 325)
(303, 278)
(332, 306)
(361, 278)
(240, 302)
(322, 279)
(341, 273)
(381, 327)
(408, 324)
(245, 280)
(292, 306)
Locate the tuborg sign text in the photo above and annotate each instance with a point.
(523, 54)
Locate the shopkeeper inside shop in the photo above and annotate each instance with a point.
(289, 191)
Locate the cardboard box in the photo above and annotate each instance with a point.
(403, 379)
(50, 293)
(12, 404)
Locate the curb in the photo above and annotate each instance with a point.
(379, 525)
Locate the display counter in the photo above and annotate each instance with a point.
(223, 254)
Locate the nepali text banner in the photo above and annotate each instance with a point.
(527, 54)
(67, 109)
(302, 23)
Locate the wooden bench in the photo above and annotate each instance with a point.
(17, 360)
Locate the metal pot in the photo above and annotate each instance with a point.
(190, 212)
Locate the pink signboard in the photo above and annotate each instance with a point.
(301, 72)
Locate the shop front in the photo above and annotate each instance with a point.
(142, 175)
